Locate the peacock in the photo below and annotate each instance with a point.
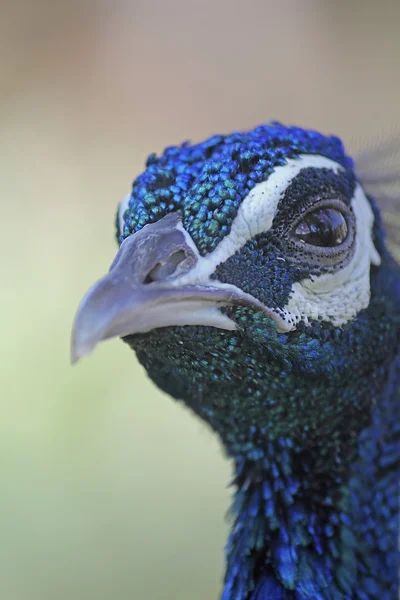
(254, 283)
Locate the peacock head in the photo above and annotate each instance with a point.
(252, 281)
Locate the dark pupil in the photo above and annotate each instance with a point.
(323, 227)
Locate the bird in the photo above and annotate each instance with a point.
(254, 282)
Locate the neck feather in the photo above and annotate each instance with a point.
(319, 529)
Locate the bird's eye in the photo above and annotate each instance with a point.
(325, 227)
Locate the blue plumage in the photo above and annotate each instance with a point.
(208, 181)
(254, 284)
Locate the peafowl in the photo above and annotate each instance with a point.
(254, 284)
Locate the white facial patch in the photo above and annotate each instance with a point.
(339, 297)
(121, 210)
(335, 297)
(256, 213)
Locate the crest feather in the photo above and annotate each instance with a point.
(378, 169)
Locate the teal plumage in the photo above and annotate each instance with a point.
(254, 284)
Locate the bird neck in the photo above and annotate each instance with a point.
(286, 522)
(299, 524)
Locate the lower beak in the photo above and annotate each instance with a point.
(141, 291)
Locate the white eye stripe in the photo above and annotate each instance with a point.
(257, 211)
(335, 297)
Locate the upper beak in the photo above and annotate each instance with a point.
(142, 290)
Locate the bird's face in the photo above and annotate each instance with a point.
(245, 278)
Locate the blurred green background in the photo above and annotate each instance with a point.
(108, 488)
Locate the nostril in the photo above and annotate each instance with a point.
(152, 275)
(164, 269)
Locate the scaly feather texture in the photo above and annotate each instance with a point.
(290, 350)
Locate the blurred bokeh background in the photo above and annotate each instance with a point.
(108, 488)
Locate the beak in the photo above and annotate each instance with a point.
(142, 290)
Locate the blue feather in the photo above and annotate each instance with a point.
(306, 404)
